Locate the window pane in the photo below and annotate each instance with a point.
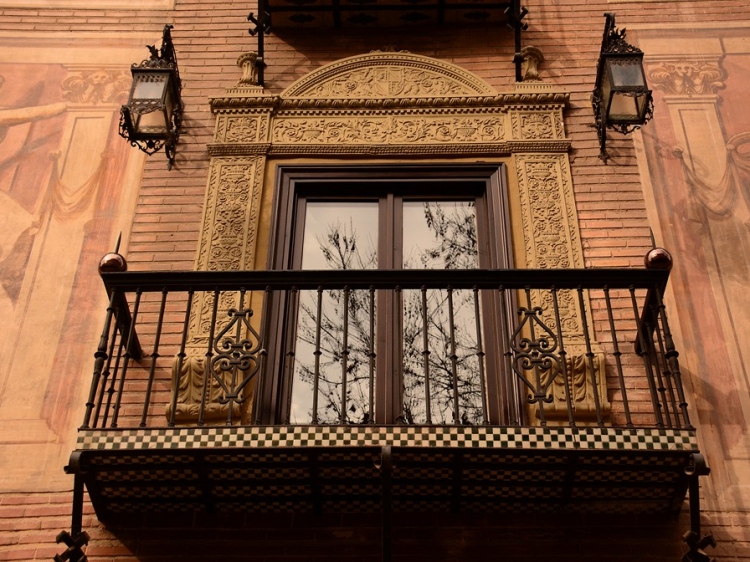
(338, 235)
(440, 235)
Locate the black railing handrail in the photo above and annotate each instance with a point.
(254, 280)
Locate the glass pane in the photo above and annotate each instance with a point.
(150, 87)
(440, 235)
(626, 72)
(338, 235)
(623, 108)
(151, 123)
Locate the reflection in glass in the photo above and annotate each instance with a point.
(440, 235)
(337, 235)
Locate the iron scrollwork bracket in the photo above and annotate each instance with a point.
(693, 538)
(74, 552)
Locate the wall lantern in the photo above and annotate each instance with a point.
(151, 118)
(621, 98)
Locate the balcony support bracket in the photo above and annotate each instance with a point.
(77, 539)
(386, 509)
(693, 538)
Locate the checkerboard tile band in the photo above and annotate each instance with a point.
(462, 437)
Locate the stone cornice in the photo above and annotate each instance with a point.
(453, 149)
(238, 104)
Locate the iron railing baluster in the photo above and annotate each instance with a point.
(113, 380)
(671, 355)
(671, 404)
(99, 358)
(317, 353)
(453, 357)
(590, 358)
(107, 371)
(208, 372)
(345, 356)
(180, 360)
(480, 355)
(563, 359)
(126, 358)
(618, 358)
(372, 355)
(642, 350)
(154, 358)
(426, 357)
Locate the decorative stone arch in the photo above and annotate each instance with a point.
(395, 106)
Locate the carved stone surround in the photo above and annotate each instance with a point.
(388, 104)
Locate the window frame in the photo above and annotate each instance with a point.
(294, 184)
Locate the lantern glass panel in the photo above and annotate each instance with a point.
(152, 123)
(150, 86)
(626, 72)
(624, 108)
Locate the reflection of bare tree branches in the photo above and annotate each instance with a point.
(454, 231)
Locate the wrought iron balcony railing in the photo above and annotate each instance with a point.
(480, 347)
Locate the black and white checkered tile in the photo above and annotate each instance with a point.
(473, 437)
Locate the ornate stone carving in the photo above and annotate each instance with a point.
(686, 77)
(581, 388)
(387, 75)
(532, 58)
(389, 130)
(248, 63)
(97, 86)
(550, 231)
(191, 390)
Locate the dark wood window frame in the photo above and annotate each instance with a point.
(295, 182)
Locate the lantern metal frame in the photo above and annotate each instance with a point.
(616, 48)
(160, 66)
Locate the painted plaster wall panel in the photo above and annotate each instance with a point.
(67, 189)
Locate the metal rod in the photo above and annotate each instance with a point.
(590, 357)
(386, 509)
(508, 353)
(480, 355)
(113, 381)
(106, 372)
(426, 357)
(672, 410)
(154, 357)
(618, 358)
(99, 358)
(563, 359)
(180, 359)
(671, 355)
(662, 371)
(372, 355)
(643, 352)
(208, 369)
(454, 358)
(126, 358)
(537, 373)
(76, 524)
(345, 356)
(317, 353)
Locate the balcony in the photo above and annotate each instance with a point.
(274, 391)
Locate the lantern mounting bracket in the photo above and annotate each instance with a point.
(160, 70)
(617, 51)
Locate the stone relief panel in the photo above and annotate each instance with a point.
(369, 129)
(96, 86)
(227, 243)
(242, 129)
(537, 125)
(386, 75)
